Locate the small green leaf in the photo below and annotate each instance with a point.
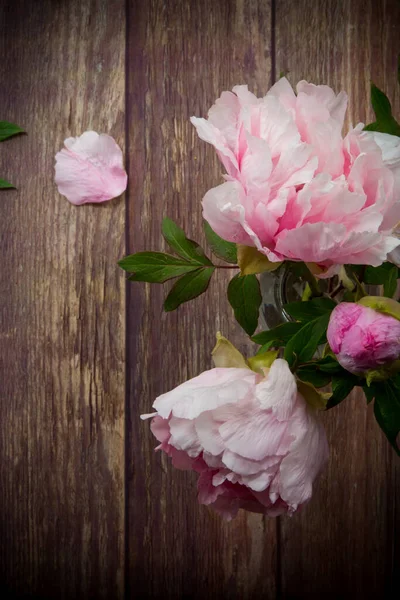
(383, 372)
(252, 262)
(226, 355)
(310, 309)
(386, 306)
(264, 348)
(304, 343)
(4, 185)
(245, 298)
(390, 284)
(380, 103)
(188, 249)
(188, 287)
(385, 122)
(8, 130)
(342, 385)
(313, 397)
(221, 248)
(262, 361)
(280, 334)
(369, 393)
(378, 275)
(387, 411)
(155, 267)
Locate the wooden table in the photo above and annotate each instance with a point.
(87, 510)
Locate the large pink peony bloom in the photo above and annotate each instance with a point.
(90, 169)
(253, 439)
(294, 187)
(362, 338)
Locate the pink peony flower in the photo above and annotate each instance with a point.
(362, 338)
(90, 169)
(253, 439)
(295, 189)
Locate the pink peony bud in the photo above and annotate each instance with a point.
(252, 438)
(363, 338)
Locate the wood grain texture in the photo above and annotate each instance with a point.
(343, 543)
(62, 309)
(65, 461)
(181, 56)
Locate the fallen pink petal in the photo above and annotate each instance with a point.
(90, 169)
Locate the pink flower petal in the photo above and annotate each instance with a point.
(278, 390)
(90, 169)
(207, 391)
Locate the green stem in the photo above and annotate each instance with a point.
(226, 267)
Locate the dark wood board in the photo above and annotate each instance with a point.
(342, 546)
(181, 56)
(62, 318)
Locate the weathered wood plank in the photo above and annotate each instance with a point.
(341, 546)
(62, 308)
(181, 55)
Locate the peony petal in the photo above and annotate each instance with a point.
(210, 134)
(207, 391)
(184, 437)
(252, 433)
(160, 429)
(278, 390)
(284, 92)
(306, 458)
(223, 210)
(90, 169)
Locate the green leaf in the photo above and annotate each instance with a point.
(378, 275)
(390, 284)
(385, 122)
(329, 364)
(188, 249)
(369, 393)
(251, 261)
(4, 185)
(264, 348)
(386, 306)
(387, 411)
(245, 298)
(341, 388)
(303, 345)
(188, 287)
(313, 375)
(155, 267)
(280, 334)
(314, 398)
(226, 355)
(320, 372)
(8, 130)
(259, 362)
(221, 248)
(310, 309)
(380, 103)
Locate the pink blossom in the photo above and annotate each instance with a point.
(295, 189)
(90, 169)
(362, 338)
(253, 440)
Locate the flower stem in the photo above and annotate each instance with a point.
(226, 267)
